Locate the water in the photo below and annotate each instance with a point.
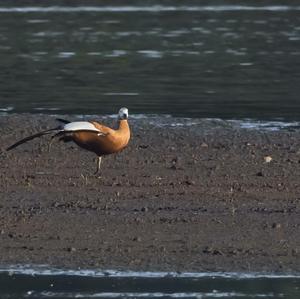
(42, 282)
(230, 61)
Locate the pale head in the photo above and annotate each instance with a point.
(123, 113)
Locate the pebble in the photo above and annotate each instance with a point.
(137, 239)
(71, 249)
(276, 225)
(268, 159)
(190, 182)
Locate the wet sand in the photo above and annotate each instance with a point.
(188, 198)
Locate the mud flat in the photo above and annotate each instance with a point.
(182, 197)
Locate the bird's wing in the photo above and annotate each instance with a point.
(66, 134)
(88, 131)
(102, 128)
(79, 126)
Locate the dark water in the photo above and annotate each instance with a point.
(58, 284)
(181, 58)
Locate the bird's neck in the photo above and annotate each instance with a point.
(123, 125)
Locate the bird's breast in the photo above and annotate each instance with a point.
(100, 144)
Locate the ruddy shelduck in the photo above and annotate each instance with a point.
(90, 135)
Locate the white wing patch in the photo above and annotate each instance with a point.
(80, 125)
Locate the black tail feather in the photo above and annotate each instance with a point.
(64, 121)
(49, 131)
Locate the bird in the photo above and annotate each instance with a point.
(89, 135)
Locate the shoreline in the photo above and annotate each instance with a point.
(44, 270)
(196, 198)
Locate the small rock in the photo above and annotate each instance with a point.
(260, 173)
(174, 160)
(162, 248)
(233, 251)
(143, 146)
(276, 225)
(268, 159)
(71, 249)
(207, 250)
(190, 182)
(217, 252)
(137, 239)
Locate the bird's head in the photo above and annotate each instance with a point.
(123, 113)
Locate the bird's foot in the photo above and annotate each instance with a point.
(97, 173)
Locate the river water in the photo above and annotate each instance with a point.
(42, 282)
(182, 58)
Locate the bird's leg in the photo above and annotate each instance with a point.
(98, 164)
(50, 143)
(52, 139)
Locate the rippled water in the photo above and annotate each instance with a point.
(43, 282)
(225, 61)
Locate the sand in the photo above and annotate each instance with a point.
(204, 197)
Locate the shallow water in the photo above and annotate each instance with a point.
(216, 61)
(42, 282)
